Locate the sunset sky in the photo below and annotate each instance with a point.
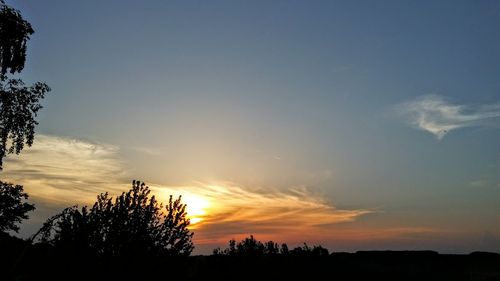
(351, 124)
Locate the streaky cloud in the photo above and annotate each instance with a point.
(58, 172)
(61, 171)
(436, 115)
(236, 211)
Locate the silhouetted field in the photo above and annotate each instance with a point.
(22, 261)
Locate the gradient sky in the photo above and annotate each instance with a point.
(354, 124)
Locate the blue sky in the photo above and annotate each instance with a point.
(388, 109)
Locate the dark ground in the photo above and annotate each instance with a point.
(21, 261)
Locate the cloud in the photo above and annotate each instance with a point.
(437, 116)
(65, 171)
(58, 172)
(235, 211)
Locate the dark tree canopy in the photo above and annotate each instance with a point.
(14, 33)
(131, 225)
(19, 104)
(252, 247)
(12, 208)
(18, 108)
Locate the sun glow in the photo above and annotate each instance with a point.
(221, 211)
(196, 207)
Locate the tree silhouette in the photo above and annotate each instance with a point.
(131, 225)
(15, 33)
(19, 104)
(12, 207)
(316, 251)
(271, 248)
(284, 249)
(252, 247)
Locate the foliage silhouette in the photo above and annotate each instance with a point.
(135, 224)
(12, 207)
(315, 251)
(252, 247)
(42, 261)
(15, 33)
(19, 104)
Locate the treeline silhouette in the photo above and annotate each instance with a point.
(252, 247)
(24, 260)
(135, 237)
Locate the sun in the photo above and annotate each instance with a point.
(196, 207)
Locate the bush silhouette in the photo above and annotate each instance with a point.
(253, 247)
(134, 224)
(315, 251)
(12, 208)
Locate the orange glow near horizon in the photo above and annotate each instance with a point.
(226, 210)
(196, 208)
(217, 210)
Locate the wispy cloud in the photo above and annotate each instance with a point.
(438, 116)
(59, 170)
(236, 211)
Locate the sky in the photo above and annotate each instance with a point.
(356, 125)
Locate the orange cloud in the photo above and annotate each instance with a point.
(233, 211)
(59, 172)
